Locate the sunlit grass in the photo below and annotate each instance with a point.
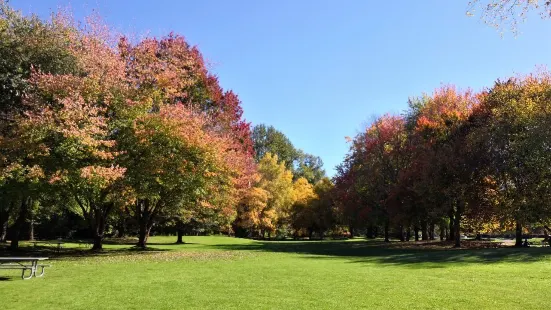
(230, 273)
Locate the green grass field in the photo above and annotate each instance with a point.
(230, 273)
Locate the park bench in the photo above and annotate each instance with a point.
(24, 264)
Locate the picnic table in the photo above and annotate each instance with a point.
(24, 263)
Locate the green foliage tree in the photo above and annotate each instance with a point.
(309, 167)
(267, 139)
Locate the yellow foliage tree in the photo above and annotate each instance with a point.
(277, 181)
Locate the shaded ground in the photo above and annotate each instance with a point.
(400, 253)
(357, 250)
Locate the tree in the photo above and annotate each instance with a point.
(313, 208)
(98, 120)
(515, 136)
(26, 44)
(169, 72)
(376, 154)
(70, 115)
(502, 14)
(309, 167)
(172, 158)
(267, 139)
(440, 173)
(277, 182)
(251, 210)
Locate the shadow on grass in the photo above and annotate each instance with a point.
(76, 253)
(413, 254)
(425, 255)
(173, 243)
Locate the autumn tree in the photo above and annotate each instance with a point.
(108, 123)
(70, 115)
(313, 209)
(301, 213)
(251, 210)
(277, 182)
(27, 44)
(172, 159)
(378, 153)
(515, 137)
(169, 72)
(439, 172)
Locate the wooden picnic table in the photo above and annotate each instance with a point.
(23, 264)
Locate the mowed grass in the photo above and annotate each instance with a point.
(230, 273)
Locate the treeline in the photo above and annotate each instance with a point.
(454, 162)
(101, 135)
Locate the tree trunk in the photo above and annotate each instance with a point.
(518, 233)
(408, 234)
(424, 235)
(442, 232)
(431, 231)
(31, 230)
(457, 226)
(4, 220)
(451, 230)
(402, 235)
(3, 228)
(145, 221)
(98, 224)
(351, 229)
(121, 226)
(180, 236)
(143, 235)
(20, 222)
(416, 232)
(371, 232)
(386, 231)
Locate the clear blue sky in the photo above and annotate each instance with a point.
(319, 70)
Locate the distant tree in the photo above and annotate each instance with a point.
(309, 167)
(267, 139)
(251, 210)
(277, 181)
(313, 210)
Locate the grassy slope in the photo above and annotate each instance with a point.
(227, 273)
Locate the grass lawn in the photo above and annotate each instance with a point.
(229, 273)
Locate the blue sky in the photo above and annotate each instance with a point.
(319, 70)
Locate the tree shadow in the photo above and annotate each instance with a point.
(424, 255)
(77, 253)
(170, 244)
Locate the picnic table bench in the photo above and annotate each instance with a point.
(24, 263)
